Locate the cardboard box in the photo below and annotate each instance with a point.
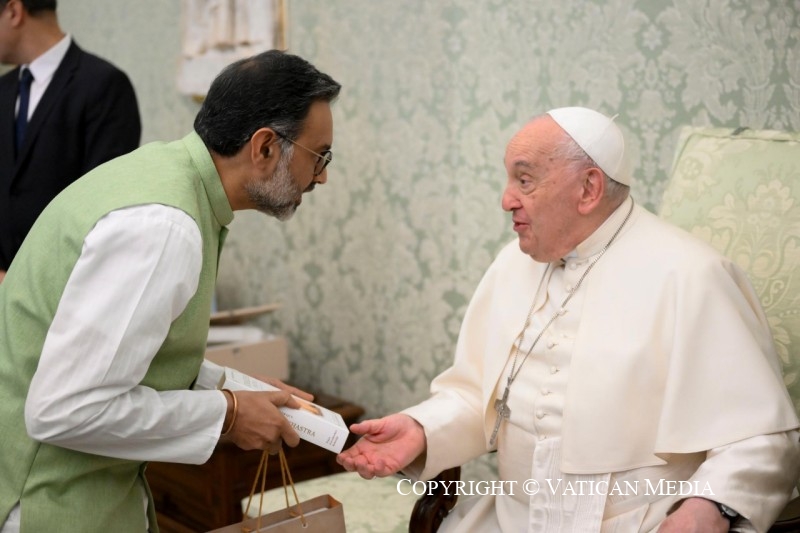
(312, 422)
(268, 357)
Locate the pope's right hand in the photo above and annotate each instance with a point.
(387, 445)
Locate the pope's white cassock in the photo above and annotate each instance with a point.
(661, 369)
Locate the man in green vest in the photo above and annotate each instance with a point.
(104, 312)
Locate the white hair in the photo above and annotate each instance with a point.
(577, 160)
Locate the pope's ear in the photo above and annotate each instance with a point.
(592, 190)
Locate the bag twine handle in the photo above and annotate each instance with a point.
(285, 473)
(261, 473)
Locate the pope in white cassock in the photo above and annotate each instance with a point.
(619, 362)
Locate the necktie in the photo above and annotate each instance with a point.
(24, 97)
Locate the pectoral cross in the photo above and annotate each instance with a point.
(503, 411)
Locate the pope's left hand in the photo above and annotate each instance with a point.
(695, 515)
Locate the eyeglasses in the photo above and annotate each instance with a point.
(323, 159)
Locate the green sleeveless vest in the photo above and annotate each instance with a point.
(60, 489)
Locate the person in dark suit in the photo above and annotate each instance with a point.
(81, 112)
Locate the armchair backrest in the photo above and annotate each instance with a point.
(739, 190)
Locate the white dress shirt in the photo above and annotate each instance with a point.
(43, 69)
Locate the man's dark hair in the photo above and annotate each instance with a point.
(34, 6)
(272, 89)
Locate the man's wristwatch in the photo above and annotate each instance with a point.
(727, 512)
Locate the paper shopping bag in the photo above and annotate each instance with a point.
(322, 514)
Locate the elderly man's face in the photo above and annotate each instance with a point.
(542, 193)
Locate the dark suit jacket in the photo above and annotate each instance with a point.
(87, 115)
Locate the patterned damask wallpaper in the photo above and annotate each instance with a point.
(377, 267)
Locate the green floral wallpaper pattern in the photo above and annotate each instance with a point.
(376, 268)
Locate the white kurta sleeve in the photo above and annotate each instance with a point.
(137, 270)
(209, 376)
(754, 476)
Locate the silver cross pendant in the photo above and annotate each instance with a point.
(503, 411)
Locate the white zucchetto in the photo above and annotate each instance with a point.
(599, 137)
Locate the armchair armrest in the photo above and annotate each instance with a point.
(789, 519)
(430, 509)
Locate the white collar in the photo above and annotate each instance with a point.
(598, 239)
(44, 67)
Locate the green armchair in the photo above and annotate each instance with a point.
(739, 190)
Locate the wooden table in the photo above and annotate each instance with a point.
(198, 498)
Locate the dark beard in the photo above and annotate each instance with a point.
(278, 197)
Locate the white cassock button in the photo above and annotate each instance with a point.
(551, 344)
(542, 437)
(539, 414)
(553, 369)
(573, 266)
(545, 392)
(568, 288)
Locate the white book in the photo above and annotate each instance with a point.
(312, 422)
